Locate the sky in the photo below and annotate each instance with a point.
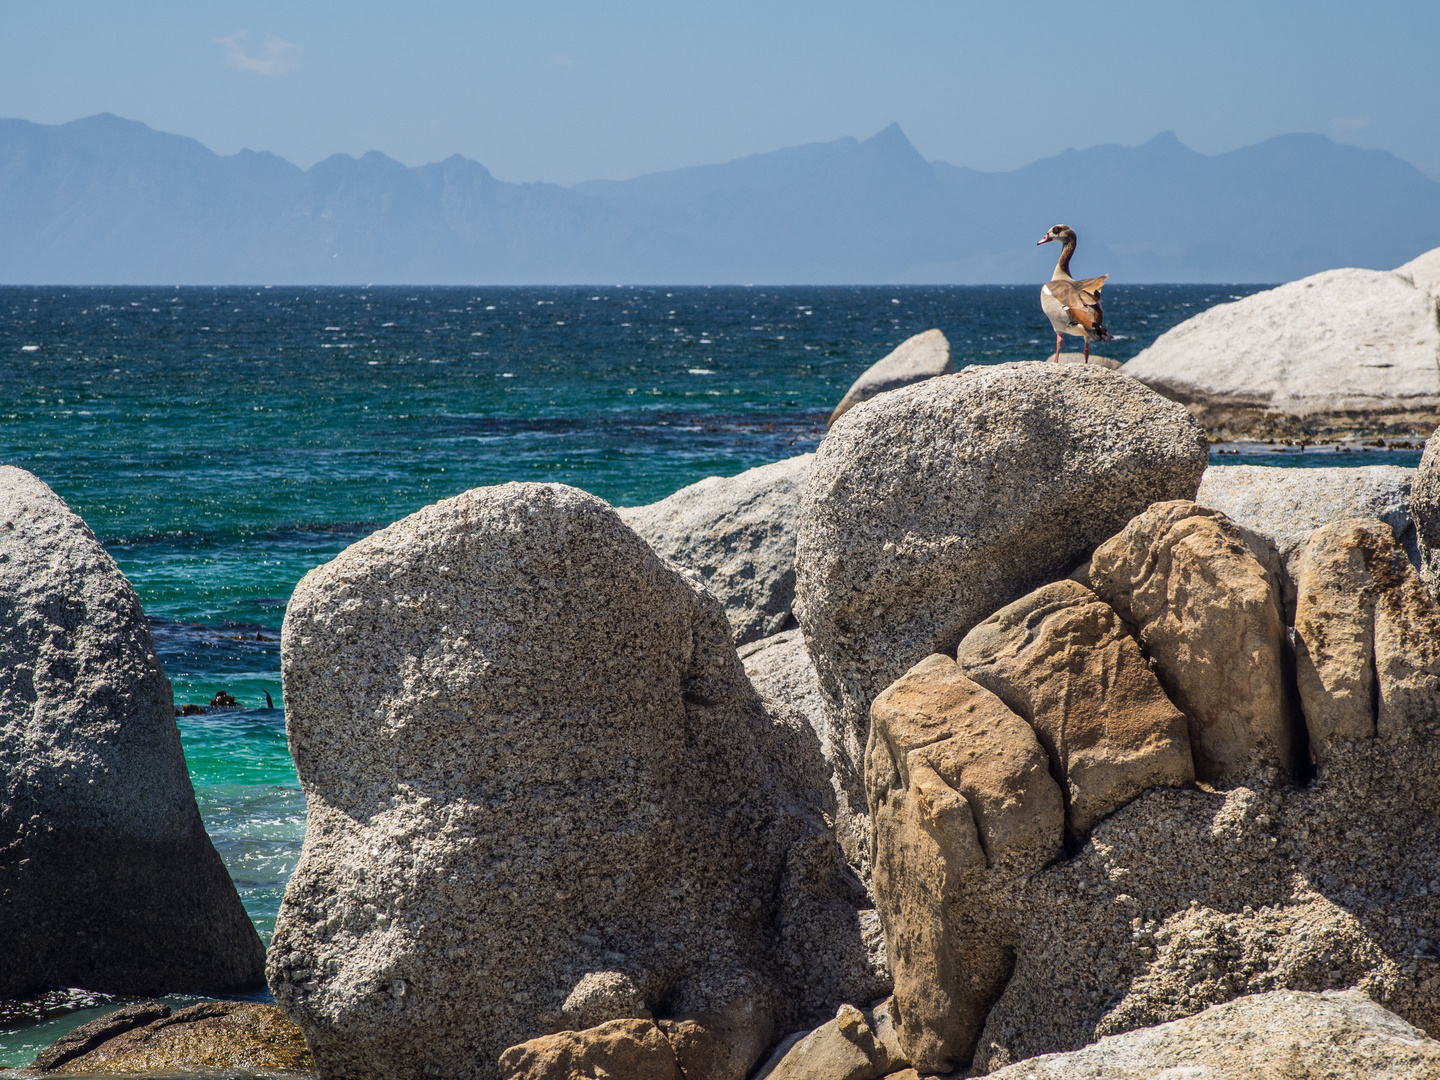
(566, 91)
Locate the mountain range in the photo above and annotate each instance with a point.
(106, 200)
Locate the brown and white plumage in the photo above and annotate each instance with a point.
(1073, 307)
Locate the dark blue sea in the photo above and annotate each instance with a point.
(223, 441)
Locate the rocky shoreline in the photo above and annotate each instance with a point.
(1003, 735)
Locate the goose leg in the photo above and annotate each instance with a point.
(1056, 358)
(1087, 349)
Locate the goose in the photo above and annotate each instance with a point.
(1073, 306)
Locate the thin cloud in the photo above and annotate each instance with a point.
(1349, 125)
(275, 57)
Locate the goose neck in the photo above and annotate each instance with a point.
(1062, 265)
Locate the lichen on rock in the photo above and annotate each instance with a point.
(211, 1037)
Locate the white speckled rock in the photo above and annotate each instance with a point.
(1287, 505)
(1095, 361)
(1424, 272)
(780, 669)
(1340, 350)
(107, 878)
(532, 755)
(936, 504)
(738, 532)
(1425, 507)
(1275, 1036)
(916, 358)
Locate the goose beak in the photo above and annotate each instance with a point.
(1044, 239)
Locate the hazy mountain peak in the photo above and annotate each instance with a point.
(105, 199)
(106, 121)
(892, 145)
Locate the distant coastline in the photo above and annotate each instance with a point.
(106, 200)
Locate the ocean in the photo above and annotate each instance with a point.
(224, 441)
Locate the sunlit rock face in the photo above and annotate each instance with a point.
(544, 795)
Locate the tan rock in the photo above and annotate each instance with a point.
(1062, 659)
(1189, 897)
(937, 721)
(1335, 636)
(720, 1044)
(1367, 648)
(1207, 613)
(843, 1049)
(215, 1035)
(958, 786)
(715, 1046)
(633, 1049)
(716, 1053)
(882, 1023)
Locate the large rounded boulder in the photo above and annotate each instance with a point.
(1337, 351)
(544, 798)
(108, 880)
(932, 506)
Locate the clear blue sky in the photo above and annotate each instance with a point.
(568, 91)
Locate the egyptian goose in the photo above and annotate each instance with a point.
(1073, 306)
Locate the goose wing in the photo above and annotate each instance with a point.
(1079, 304)
(1090, 288)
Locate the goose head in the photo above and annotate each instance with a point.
(1057, 232)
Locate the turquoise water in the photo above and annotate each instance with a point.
(222, 442)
